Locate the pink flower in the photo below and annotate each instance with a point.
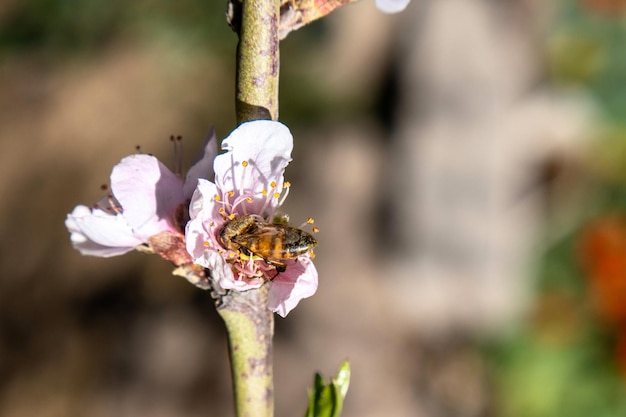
(146, 209)
(248, 181)
(392, 6)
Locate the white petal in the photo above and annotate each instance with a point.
(195, 238)
(266, 146)
(392, 6)
(98, 233)
(220, 270)
(148, 193)
(203, 167)
(297, 282)
(203, 204)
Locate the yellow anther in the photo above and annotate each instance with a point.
(276, 195)
(244, 164)
(273, 184)
(249, 200)
(310, 220)
(264, 192)
(221, 210)
(232, 216)
(315, 229)
(217, 197)
(312, 255)
(286, 184)
(206, 243)
(231, 193)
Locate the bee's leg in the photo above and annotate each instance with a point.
(280, 267)
(245, 251)
(272, 278)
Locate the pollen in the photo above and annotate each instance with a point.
(264, 192)
(244, 164)
(206, 243)
(276, 195)
(273, 184)
(217, 197)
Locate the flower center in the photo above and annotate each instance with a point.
(238, 200)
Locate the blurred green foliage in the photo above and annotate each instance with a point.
(586, 49)
(565, 360)
(58, 29)
(71, 26)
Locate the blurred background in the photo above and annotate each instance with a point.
(465, 161)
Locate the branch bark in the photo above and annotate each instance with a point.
(258, 61)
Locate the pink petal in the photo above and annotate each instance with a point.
(148, 193)
(98, 233)
(203, 167)
(266, 146)
(229, 282)
(288, 288)
(392, 6)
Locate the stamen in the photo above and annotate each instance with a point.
(240, 199)
(108, 202)
(231, 193)
(206, 243)
(286, 184)
(310, 220)
(312, 255)
(273, 184)
(315, 229)
(217, 197)
(177, 165)
(285, 194)
(242, 180)
(264, 192)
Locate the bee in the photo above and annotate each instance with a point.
(274, 242)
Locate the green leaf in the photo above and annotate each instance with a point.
(326, 400)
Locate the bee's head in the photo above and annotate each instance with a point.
(308, 240)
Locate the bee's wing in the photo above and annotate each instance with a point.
(260, 231)
(289, 235)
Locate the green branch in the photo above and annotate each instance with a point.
(258, 61)
(249, 322)
(250, 326)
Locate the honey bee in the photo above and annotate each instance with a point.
(274, 242)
